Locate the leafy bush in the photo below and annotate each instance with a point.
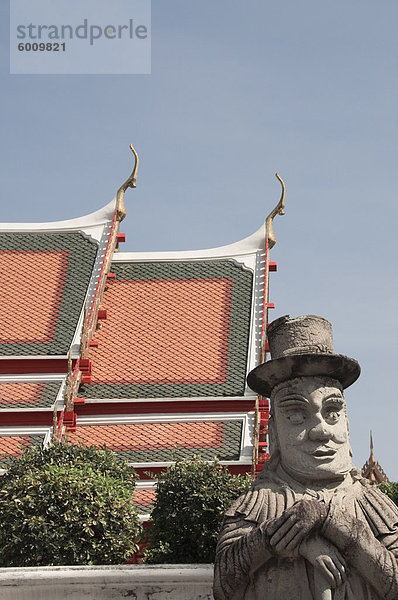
(391, 489)
(67, 505)
(191, 499)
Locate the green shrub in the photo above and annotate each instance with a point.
(391, 489)
(67, 505)
(191, 499)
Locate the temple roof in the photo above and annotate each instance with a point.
(14, 441)
(173, 329)
(146, 353)
(29, 394)
(161, 442)
(51, 278)
(159, 343)
(144, 497)
(48, 271)
(371, 469)
(45, 281)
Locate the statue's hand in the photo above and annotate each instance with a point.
(297, 522)
(325, 557)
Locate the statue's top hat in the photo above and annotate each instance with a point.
(301, 347)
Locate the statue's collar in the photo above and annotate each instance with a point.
(320, 491)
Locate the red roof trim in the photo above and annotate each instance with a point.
(31, 366)
(27, 418)
(175, 406)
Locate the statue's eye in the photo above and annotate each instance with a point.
(296, 417)
(332, 414)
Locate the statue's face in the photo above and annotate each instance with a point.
(312, 429)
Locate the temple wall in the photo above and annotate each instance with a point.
(138, 582)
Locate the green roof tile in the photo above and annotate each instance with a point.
(80, 253)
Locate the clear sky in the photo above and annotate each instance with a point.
(240, 90)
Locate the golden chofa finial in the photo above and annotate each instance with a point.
(129, 183)
(278, 210)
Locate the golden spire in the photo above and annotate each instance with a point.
(129, 183)
(371, 469)
(278, 210)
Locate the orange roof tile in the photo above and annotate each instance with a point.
(148, 436)
(26, 394)
(13, 445)
(157, 442)
(144, 498)
(173, 329)
(30, 294)
(176, 332)
(44, 280)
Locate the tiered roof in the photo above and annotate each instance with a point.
(165, 369)
(372, 470)
(13, 445)
(146, 353)
(28, 394)
(46, 279)
(186, 332)
(51, 273)
(159, 442)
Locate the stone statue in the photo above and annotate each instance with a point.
(310, 527)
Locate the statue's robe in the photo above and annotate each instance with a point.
(247, 569)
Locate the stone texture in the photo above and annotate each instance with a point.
(136, 582)
(310, 528)
(301, 346)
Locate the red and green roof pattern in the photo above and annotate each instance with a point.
(23, 394)
(13, 445)
(44, 281)
(165, 442)
(173, 329)
(144, 499)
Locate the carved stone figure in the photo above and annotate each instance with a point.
(310, 527)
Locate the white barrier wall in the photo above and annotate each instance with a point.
(135, 582)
